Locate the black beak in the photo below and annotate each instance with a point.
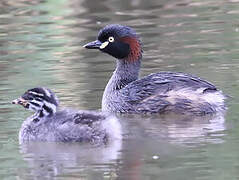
(93, 45)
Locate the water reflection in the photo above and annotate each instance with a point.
(180, 129)
(48, 160)
(160, 140)
(141, 133)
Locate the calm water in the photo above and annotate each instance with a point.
(41, 45)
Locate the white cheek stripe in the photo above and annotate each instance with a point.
(47, 92)
(37, 102)
(45, 112)
(35, 93)
(51, 106)
(32, 107)
(104, 44)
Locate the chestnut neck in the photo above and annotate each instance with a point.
(127, 71)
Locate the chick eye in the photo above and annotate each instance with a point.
(111, 39)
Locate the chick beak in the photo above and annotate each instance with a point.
(20, 101)
(93, 45)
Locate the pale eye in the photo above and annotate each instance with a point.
(111, 39)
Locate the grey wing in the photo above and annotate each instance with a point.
(152, 91)
(81, 127)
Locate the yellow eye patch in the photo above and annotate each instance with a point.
(104, 44)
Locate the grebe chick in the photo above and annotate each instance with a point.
(156, 93)
(51, 123)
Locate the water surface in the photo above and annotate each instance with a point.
(41, 45)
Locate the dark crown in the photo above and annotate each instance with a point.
(40, 100)
(116, 30)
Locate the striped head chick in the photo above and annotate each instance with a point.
(40, 100)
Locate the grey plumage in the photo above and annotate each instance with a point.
(168, 91)
(67, 125)
(165, 92)
(156, 93)
(64, 124)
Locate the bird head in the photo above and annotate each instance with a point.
(40, 100)
(118, 41)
